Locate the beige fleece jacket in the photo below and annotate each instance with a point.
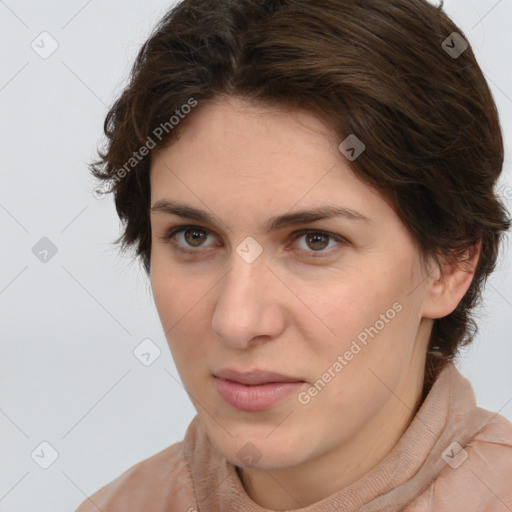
(453, 457)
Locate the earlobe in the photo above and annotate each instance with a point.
(448, 284)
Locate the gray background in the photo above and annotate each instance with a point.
(68, 326)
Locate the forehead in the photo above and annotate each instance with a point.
(258, 159)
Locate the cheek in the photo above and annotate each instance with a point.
(367, 358)
(381, 329)
(174, 288)
(181, 301)
(370, 321)
(166, 295)
(348, 310)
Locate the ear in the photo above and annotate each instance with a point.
(447, 285)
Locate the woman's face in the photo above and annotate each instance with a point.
(335, 304)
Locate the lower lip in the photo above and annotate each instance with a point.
(254, 398)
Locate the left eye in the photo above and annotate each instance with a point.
(193, 237)
(318, 241)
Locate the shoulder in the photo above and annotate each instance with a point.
(487, 470)
(478, 475)
(155, 484)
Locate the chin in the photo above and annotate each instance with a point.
(252, 452)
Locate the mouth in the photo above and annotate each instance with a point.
(255, 390)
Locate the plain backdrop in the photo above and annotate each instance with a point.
(69, 325)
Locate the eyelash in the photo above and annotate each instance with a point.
(168, 238)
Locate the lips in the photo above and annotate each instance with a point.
(256, 390)
(254, 377)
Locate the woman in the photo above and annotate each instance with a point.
(309, 185)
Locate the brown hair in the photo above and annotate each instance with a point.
(377, 69)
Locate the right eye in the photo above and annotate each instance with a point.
(186, 238)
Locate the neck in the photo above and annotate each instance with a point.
(316, 479)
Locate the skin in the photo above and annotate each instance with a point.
(289, 311)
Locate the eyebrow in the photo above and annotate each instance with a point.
(272, 224)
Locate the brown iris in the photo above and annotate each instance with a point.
(314, 240)
(195, 237)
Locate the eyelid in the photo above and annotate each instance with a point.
(179, 229)
(339, 239)
(295, 235)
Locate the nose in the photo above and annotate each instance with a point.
(248, 308)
